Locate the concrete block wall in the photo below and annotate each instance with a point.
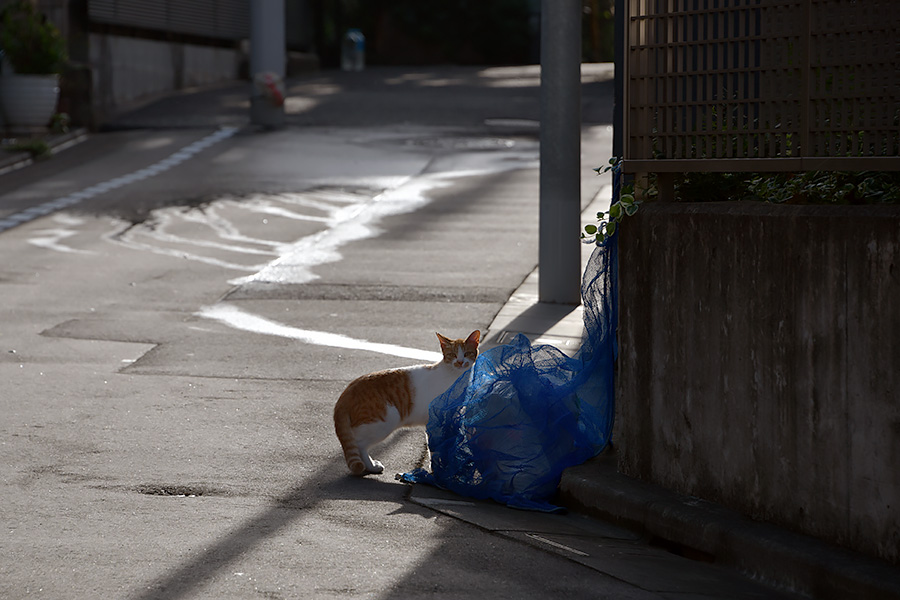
(759, 363)
(127, 70)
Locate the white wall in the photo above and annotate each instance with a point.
(128, 70)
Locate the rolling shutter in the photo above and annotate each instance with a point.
(218, 19)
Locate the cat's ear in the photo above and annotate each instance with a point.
(473, 338)
(445, 342)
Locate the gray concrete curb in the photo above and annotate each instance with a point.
(707, 531)
(57, 143)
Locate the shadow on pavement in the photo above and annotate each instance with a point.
(380, 96)
(331, 481)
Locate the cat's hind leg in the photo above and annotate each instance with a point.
(370, 434)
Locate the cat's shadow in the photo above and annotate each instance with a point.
(383, 487)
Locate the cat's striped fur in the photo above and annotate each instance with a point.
(375, 405)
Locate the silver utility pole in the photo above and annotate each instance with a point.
(559, 254)
(267, 62)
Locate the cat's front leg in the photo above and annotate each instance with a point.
(373, 467)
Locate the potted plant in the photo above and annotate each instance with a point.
(34, 54)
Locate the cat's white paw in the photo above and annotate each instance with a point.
(377, 468)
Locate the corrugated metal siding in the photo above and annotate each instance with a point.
(219, 19)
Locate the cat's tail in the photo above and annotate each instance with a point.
(344, 430)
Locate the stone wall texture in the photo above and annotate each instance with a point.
(759, 362)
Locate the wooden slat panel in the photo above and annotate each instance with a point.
(769, 79)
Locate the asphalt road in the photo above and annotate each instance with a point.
(174, 338)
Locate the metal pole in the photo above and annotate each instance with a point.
(267, 56)
(559, 252)
(619, 60)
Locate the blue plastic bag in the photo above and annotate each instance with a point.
(529, 412)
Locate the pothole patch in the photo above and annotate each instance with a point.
(177, 491)
(467, 143)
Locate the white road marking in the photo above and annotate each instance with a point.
(101, 188)
(556, 544)
(443, 502)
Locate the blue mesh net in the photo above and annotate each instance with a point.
(529, 411)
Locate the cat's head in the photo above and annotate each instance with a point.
(460, 354)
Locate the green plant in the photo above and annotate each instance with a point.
(59, 124)
(31, 44)
(826, 187)
(809, 187)
(36, 147)
(624, 206)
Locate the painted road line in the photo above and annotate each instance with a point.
(165, 164)
(556, 544)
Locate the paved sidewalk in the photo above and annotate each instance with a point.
(558, 325)
(709, 532)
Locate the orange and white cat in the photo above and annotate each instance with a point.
(375, 405)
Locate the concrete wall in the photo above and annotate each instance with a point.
(759, 363)
(127, 70)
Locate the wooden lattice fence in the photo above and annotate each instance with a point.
(761, 85)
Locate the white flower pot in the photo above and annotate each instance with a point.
(28, 101)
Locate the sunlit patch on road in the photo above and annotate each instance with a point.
(362, 221)
(350, 224)
(238, 319)
(238, 233)
(241, 234)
